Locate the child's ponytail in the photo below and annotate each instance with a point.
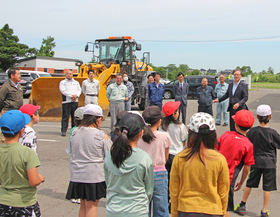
(121, 149)
(148, 135)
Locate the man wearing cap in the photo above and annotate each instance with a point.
(238, 95)
(91, 88)
(71, 90)
(238, 151)
(117, 94)
(205, 95)
(156, 92)
(181, 90)
(220, 90)
(130, 91)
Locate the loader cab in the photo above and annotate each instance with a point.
(119, 50)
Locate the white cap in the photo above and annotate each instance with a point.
(94, 110)
(200, 119)
(264, 110)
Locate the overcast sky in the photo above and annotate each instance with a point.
(214, 34)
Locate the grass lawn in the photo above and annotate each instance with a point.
(255, 85)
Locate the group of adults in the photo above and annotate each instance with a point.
(237, 92)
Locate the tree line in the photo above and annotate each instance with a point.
(11, 49)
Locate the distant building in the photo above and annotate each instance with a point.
(203, 71)
(212, 71)
(226, 72)
(48, 64)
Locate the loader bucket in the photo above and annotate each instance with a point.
(45, 93)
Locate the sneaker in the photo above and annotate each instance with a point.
(63, 133)
(78, 201)
(225, 124)
(74, 201)
(218, 124)
(240, 209)
(264, 214)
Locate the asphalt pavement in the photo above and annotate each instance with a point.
(55, 161)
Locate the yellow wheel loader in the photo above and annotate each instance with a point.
(114, 55)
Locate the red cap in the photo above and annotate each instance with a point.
(29, 109)
(170, 107)
(244, 118)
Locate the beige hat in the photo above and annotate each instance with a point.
(79, 113)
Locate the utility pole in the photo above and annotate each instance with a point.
(167, 73)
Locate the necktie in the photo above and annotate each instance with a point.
(181, 87)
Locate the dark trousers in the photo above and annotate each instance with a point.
(67, 110)
(206, 109)
(183, 111)
(168, 166)
(232, 185)
(231, 113)
(158, 105)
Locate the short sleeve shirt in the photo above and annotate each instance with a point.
(265, 142)
(15, 189)
(178, 134)
(29, 138)
(235, 147)
(156, 148)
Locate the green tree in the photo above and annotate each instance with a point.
(10, 48)
(183, 68)
(270, 70)
(46, 48)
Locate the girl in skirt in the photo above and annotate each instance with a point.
(88, 148)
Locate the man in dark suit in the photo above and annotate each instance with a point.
(238, 95)
(181, 90)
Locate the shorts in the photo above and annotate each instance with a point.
(193, 214)
(86, 191)
(29, 211)
(269, 178)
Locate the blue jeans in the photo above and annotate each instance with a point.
(222, 107)
(159, 200)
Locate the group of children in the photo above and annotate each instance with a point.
(154, 163)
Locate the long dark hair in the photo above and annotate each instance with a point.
(121, 148)
(88, 120)
(198, 142)
(168, 120)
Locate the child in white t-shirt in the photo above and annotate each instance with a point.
(177, 132)
(29, 137)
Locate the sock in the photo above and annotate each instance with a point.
(242, 203)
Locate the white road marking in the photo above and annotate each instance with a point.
(48, 140)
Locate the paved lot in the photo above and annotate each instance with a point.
(55, 162)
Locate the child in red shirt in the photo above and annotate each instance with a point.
(238, 151)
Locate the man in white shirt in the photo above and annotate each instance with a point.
(91, 88)
(70, 90)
